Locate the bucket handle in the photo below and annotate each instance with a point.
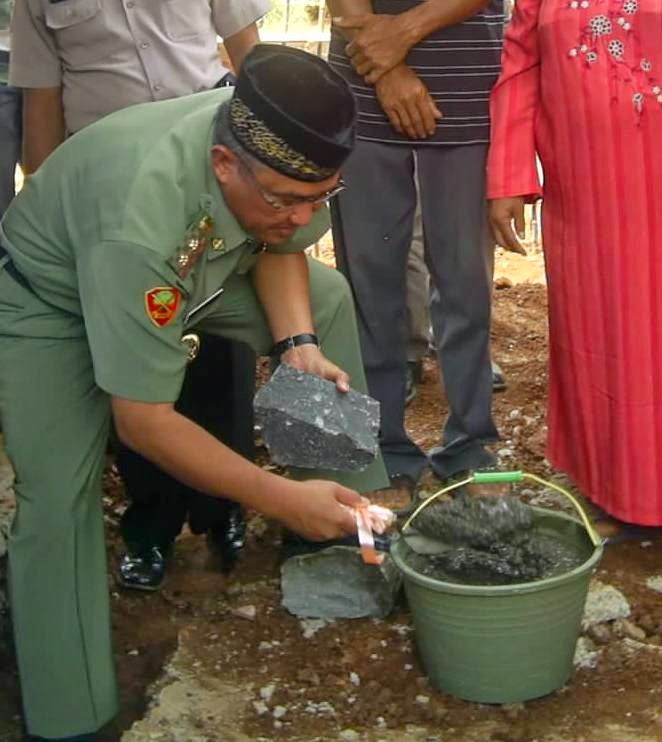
(499, 477)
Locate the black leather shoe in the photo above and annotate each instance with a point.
(226, 542)
(142, 571)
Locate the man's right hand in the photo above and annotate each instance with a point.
(322, 510)
(407, 103)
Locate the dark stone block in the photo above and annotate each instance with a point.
(306, 422)
(335, 583)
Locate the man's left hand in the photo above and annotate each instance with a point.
(380, 43)
(309, 358)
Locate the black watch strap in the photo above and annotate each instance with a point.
(305, 338)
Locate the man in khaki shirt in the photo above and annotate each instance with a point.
(78, 61)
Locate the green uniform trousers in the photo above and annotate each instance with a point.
(56, 420)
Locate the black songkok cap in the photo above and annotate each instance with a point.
(292, 112)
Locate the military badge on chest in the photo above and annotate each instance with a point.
(199, 236)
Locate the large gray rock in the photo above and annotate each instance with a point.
(336, 583)
(306, 422)
(604, 603)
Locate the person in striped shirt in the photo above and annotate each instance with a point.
(422, 74)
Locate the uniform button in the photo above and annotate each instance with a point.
(158, 88)
(144, 44)
(130, 4)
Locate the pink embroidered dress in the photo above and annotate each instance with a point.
(582, 87)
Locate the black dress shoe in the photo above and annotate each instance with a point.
(143, 570)
(225, 542)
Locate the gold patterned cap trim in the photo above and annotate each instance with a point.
(253, 134)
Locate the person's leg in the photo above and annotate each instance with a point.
(217, 394)
(459, 253)
(239, 316)
(372, 230)
(55, 421)
(10, 142)
(151, 522)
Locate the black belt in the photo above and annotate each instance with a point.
(13, 271)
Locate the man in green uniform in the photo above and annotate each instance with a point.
(158, 219)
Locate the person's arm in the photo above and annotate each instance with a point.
(43, 125)
(407, 102)
(403, 97)
(187, 452)
(239, 44)
(279, 275)
(348, 8)
(383, 41)
(512, 174)
(35, 66)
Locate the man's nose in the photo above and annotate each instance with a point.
(302, 214)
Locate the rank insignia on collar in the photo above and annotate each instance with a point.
(197, 239)
(162, 303)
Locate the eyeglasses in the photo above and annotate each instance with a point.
(283, 203)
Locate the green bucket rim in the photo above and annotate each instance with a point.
(458, 588)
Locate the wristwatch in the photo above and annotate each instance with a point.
(305, 338)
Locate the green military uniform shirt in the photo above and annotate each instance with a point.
(105, 227)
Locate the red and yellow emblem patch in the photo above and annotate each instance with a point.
(162, 303)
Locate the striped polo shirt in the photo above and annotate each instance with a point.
(459, 65)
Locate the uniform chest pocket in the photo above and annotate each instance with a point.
(186, 19)
(80, 29)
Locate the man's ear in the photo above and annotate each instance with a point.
(224, 162)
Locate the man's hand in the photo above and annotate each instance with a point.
(309, 358)
(322, 512)
(407, 103)
(504, 212)
(380, 43)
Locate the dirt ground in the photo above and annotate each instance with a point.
(364, 675)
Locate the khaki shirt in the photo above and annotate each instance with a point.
(110, 54)
(103, 224)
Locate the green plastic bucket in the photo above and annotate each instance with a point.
(504, 643)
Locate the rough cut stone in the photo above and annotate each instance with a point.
(604, 603)
(586, 655)
(335, 583)
(655, 583)
(306, 422)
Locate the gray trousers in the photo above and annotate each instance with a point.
(372, 225)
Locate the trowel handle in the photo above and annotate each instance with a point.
(497, 477)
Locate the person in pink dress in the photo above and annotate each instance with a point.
(581, 88)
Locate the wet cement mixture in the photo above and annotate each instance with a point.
(485, 541)
(215, 658)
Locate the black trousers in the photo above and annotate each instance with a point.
(218, 395)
